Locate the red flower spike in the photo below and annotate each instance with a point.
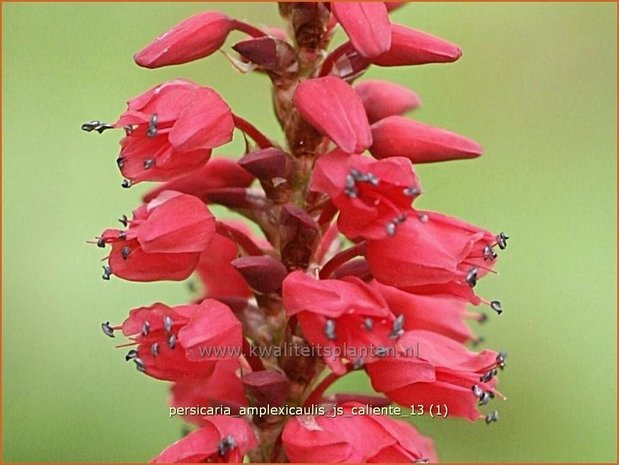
(442, 314)
(367, 24)
(346, 316)
(197, 37)
(164, 239)
(218, 173)
(373, 196)
(383, 98)
(171, 130)
(264, 274)
(221, 439)
(433, 254)
(331, 106)
(412, 47)
(419, 142)
(353, 439)
(462, 379)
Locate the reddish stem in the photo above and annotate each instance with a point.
(317, 393)
(238, 236)
(251, 130)
(332, 58)
(247, 28)
(254, 361)
(341, 258)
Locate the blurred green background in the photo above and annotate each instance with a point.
(536, 86)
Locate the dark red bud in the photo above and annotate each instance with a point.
(299, 234)
(266, 388)
(267, 163)
(268, 53)
(264, 273)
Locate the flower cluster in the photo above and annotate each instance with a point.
(333, 254)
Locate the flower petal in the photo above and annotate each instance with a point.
(367, 24)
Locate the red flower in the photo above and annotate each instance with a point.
(163, 241)
(185, 342)
(367, 24)
(355, 438)
(346, 318)
(197, 37)
(383, 98)
(433, 254)
(441, 372)
(331, 106)
(442, 314)
(412, 47)
(372, 196)
(419, 142)
(171, 130)
(221, 439)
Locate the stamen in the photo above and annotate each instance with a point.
(330, 330)
(484, 399)
(398, 325)
(496, 306)
(96, 125)
(489, 253)
(101, 242)
(152, 126)
(381, 351)
(171, 341)
(167, 323)
(139, 364)
(122, 235)
(501, 240)
(124, 220)
(124, 253)
(492, 417)
(477, 391)
(390, 229)
(107, 272)
(471, 277)
(120, 161)
(145, 328)
(368, 324)
(126, 184)
(226, 445)
(148, 164)
(423, 218)
(107, 329)
(154, 349)
(411, 191)
(358, 364)
(131, 355)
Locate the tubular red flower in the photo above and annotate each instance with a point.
(221, 439)
(372, 196)
(433, 254)
(331, 106)
(345, 316)
(419, 142)
(197, 37)
(171, 130)
(354, 439)
(164, 239)
(441, 372)
(367, 24)
(412, 47)
(383, 98)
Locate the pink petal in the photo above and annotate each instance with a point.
(383, 98)
(367, 24)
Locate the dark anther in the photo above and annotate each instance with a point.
(171, 341)
(484, 399)
(167, 323)
(491, 394)
(124, 220)
(390, 229)
(368, 324)
(139, 364)
(358, 364)
(96, 125)
(423, 218)
(154, 349)
(126, 184)
(145, 328)
(152, 126)
(492, 417)
(496, 306)
(422, 461)
(107, 329)
(107, 272)
(120, 161)
(398, 327)
(489, 253)
(330, 330)
(381, 351)
(226, 445)
(148, 164)
(488, 376)
(122, 235)
(471, 277)
(477, 391)
(124, 253)
(355, 173)
(131, 355)
(372, 179)
(411, 191)
(101, 242)
(501, 240)
(501, 357)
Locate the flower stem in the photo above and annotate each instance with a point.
(251, 130)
